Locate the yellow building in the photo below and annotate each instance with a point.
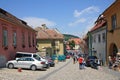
(49, 41)
(112, 15)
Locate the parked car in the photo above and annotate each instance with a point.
(27, 63)
(50, 61)
(95, 64)
(90, 60)
(61, 57)
(54, 57)
(67, 56)
(34, 55)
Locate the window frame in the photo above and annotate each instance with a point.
(33, 41)
(5, 35)
(23, 39)
(94, 38)
(99, 38)
(114, 21)
(103, 37)
(14, 38)
(29, 39)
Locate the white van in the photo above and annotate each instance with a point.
(35, 55)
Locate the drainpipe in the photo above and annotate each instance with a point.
(90, 43)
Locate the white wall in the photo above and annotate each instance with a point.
(100, 47)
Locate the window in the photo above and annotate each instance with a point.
(53, 43)
(29, 40)
(37, 57)
(33, 40)
(56, 43)
(5, 37)
(23, 39)
(94, 39)
(14, 39)
(114, 22)
(103, 37)
(29, 59)
(99, 38)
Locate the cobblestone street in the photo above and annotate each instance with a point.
(72, 72)
(62, 71)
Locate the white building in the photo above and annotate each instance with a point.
(98, 33)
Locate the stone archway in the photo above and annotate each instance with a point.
(113, 50)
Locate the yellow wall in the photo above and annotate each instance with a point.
(115, 36)
(48, 45)
(61, 48)
(43, 43)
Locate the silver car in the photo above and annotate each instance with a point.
(27, 62)
(34, 55)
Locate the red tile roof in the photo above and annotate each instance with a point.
(98, 25)
(76, 40)
(68, 47)
(4, 15)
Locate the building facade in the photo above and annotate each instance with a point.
(15, 35)
(77, 42)
(112, 15)
(98, 33)
(49, 41)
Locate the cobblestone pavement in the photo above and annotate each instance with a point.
(62, 71)
(72, 72)
(13, 74)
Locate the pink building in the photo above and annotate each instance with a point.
(15, 35)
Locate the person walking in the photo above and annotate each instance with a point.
(110, 62)
(80, 60)
(73, 56)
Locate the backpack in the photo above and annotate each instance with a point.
(80, 60)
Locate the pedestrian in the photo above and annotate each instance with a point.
(98, 64)
(73, 56)
(80, 60)
(110, 62)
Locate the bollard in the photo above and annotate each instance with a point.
(19, 69)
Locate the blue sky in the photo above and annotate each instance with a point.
(68, 16)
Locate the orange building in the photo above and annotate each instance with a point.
(112, 16)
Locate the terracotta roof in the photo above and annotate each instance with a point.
(42, 35)
(68, 47)
(48, 34)
(76, 40)
(98, 25)
(4, 15)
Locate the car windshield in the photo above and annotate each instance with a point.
(36, 57)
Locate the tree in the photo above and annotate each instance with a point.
(72, 44)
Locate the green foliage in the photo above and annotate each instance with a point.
(68, 36)
(72, 44)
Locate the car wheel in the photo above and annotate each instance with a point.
(10, 66)
(33, 67)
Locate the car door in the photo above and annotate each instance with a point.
(20, 62)
(28, 62)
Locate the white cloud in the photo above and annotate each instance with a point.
(35, 22)
(82, 20)
(87, 28)
(88, 10)
(89, 25)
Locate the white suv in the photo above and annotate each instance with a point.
(34, 55)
